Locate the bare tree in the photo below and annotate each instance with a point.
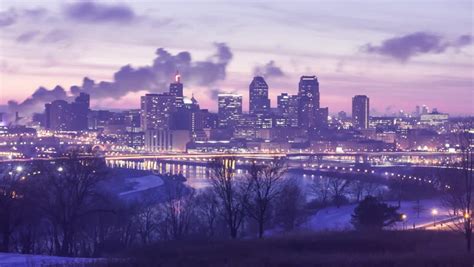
(178, 211)
(265, 184)
(339, 188)
(458, 182)
(320, 189)
(207, 209)
(290, 206)
(231, 194)
(466, 145)
(13, 202)
(146, 218)
(68, 192)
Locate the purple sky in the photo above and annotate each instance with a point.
(400, 53)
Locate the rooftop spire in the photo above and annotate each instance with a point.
(177, 77)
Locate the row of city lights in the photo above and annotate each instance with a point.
(328, 167)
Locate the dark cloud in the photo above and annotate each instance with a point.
(98, 12)
(269, 70)
(405, 47)
(8, 17)
(27, 36)
(155, 77)
(463, 40)
(37, 100)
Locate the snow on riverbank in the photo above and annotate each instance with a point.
(16, 260)
(143, 183)
(333, 218)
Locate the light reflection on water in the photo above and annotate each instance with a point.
(197, 175)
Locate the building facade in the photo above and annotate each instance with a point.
(156, 111)
(360, 111)
(308, 97)
(229, 109)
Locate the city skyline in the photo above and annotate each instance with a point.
(237, 133)
(348, 53)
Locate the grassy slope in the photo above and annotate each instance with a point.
(390, 248)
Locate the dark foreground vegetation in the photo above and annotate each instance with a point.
(387, 248)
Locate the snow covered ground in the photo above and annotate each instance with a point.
(143, 183)
(333, 218)
(16, 260)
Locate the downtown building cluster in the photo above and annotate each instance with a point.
(172, 122)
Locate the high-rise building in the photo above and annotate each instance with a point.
(57, 115)
(63, 116)
(229, 109)
(288, 109)
(360, 111)
(156, 111)
(308, 94)
(189, 117)
(79, 112)
(259, 103)
(176, 89)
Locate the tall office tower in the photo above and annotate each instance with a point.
(63, 116)
(360, 111)
(229, 109)
(259, 103)
(176, 89)
(80, 112)
(288, 108)
(57, 115)
(156, 110)
(190, 117)
(308, 93)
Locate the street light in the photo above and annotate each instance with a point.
(434, 212)
(404, 219)
(60, 169)
(19, 168)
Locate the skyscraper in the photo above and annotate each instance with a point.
(57, 115)
(156, 110)
(79, 112)
(229, 109)
(63, 116)
(189, 117)
(176, 89)
(308, 94)
(259, 103)
(360, 111)
(288, 109)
